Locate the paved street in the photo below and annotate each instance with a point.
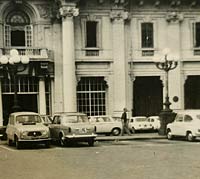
(135, 159)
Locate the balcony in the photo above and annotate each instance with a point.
(31, 52)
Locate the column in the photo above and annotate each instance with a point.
(69, 78)
(120, 63)
(1, 107)
(174, 20)
(42, 97)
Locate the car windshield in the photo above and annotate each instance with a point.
(28, 119)
(75, 119)
(141, 119)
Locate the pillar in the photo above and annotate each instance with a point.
(68, 60)
(1, 107)
(120, 65)
(42, 96)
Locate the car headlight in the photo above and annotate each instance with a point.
(45, 133)
(24, 134)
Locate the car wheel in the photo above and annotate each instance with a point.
(47, 144)
(9, 142)
(116, 131)
(169, 135)
(17, 143)
(62, 141)
(91, 142)
(190, 137)
(133, 130)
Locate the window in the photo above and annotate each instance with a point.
(196, 29)
(147, 35)
(179, 118)
(187, 118)
(17, 30)
(147, 39)
(91, 96)
(24, 85)
(91, 34)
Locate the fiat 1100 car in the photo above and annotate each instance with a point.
(26, 127)
(67, 127)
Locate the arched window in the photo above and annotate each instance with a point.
(17, 30)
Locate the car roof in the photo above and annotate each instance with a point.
(24, 113)
(193, 111)
(138, 117)
(69, 113)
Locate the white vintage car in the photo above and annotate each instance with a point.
(154, 122)
(26, 127)
(138, 123)
(186, 124)
(106, 125)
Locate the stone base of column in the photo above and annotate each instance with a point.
(166, 117)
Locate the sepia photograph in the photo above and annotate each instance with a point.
(99, 89)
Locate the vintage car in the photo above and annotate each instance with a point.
(106, 125)
(26, 127)
(154, 122)
(139, 123)
(186, 124)
(67, 127)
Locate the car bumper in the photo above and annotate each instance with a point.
(80, 137)
(35, 140)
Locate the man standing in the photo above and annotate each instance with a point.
(125, 122)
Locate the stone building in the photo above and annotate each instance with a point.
(97, 56)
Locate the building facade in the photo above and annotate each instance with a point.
(98, 57)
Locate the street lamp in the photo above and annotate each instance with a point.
(13, 64)
(166, 63)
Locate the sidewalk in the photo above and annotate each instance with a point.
(137, 136)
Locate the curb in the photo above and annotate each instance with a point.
(121, 138)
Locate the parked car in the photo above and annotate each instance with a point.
(46, 119)
(68, 127)
(186, 124)
(154, 122)
(106, 125)
(26, 127)
(138, 123)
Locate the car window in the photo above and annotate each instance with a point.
(179, 118)
(28, 119)
(74, 119)
(187, 118)
(11, 121)
(56, 120)
(141, 119)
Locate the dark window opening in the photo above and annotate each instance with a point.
(197, 34)
(147, 35)
(17, 38)
(91, 34)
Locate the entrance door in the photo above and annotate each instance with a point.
(192, 92)
(148, 96)
(27, 102)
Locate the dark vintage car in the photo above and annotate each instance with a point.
(67, 127)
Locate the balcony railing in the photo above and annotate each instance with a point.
(33, 53)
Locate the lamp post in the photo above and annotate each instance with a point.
(11, 65)
(166, 63)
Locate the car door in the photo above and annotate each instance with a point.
(54, 127)
(177, 126)
(187, 124)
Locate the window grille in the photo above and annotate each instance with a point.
(28, 35)
(24, 85)
(147, 35)
(91, 96)
(7, 33)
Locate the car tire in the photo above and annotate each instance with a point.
(91, 142)
(169, 135)
(9, 142)
(116, 131)
(17, 143)
(190, 137)
(47, 144)
(133, 130)
(62, 141)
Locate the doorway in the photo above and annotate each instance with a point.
(147, 96)
(192, 92)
